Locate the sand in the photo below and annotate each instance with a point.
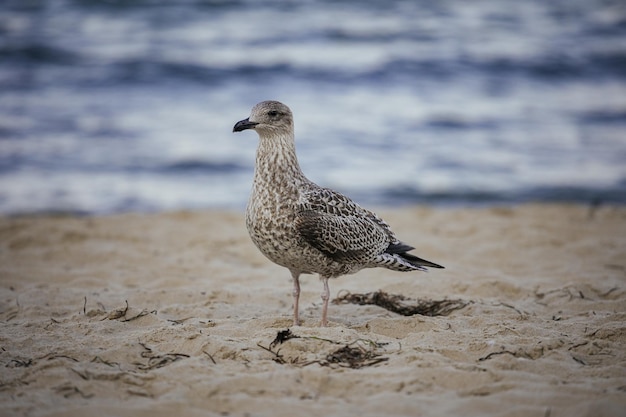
(174, 314)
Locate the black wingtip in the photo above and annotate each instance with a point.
(419, 261)
(401, 249)
(398, 247)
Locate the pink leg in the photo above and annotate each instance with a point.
(325, 297)
(295, 275)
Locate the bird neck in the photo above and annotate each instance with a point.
(276, 161)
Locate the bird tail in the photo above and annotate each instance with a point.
(418, 262)
(399, 251)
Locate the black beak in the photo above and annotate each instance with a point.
(243, 125)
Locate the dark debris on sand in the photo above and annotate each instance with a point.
(353, 355)
(282, 336)
(402, 305)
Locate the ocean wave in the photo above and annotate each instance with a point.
(152, 72)
(204, 166)
(37, 54)
(602, 116)
(562, 194)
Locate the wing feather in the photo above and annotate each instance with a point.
(340, 228)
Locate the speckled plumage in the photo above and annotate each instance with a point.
(307, 228)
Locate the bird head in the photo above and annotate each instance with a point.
(268, 118)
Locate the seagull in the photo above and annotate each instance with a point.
(306, 228)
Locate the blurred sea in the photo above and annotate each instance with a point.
(122, 105)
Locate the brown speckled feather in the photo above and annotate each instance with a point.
(340, 228)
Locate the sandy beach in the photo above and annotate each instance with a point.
(175, 314)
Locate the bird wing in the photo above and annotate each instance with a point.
(340, 228)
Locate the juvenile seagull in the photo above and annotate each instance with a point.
(308, 229)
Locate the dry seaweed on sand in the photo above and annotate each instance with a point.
(353, 355)
(120, 313)
(403, 305)
(157, 361)
(116, 314)
(282, 336)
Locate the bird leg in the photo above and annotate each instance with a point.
(325, 297)
(295, 275)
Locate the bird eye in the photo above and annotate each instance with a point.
(272, 113)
